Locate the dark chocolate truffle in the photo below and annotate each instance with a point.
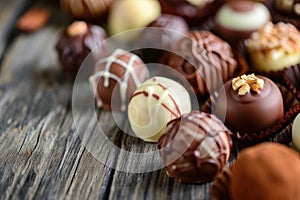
(238, 19)
(78, 40)
(86, 9)
(266, 171)
(115, 79)
(250, 103)
(203, 59)
(195, 147)
(194, 11)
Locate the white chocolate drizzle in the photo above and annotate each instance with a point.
(107, 75)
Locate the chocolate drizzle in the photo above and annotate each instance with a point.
(195, 147)
(207, 61)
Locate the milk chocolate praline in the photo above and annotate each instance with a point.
(266, 171)
(115, 79)
(194, 11)
(195, 147)
(247, 111)
(203, 59)
(77, 41)
(236, 20)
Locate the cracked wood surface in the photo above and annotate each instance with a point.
(42, 156)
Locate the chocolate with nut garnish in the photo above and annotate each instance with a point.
(77, 41)
(236, 20)
(203, 59)
(115, 79)
(288, 7)
(86, 9)
(194, 11)
(195, 147)
(250, 104)
(266, 171)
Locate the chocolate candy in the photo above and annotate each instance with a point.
(274, 47)
(75, 44)
(203, 59)
(289, 7)
(155, 103)
(195, 147)
(132, 14)
(296, 132)
(86, 9)
(266, 171)
(250, 104)
(194, 11)
(115, 79)
(238, 19)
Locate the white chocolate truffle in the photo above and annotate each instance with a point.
(156, 102)
(274, 47)
(130, 14)
(296, 132)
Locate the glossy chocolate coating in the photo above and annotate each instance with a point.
(252, 112)
(266, 171)
(192, 13)
(73, 49)
(86, 9)
(203, 59)
(116, 77)
(195, 147)
(238, 19)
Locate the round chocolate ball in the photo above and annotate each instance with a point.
(195, 147)
(203, 59)
(115, 79)
(194, 11)
(250, 103)
(266, 171)
(86, 9)
(77, 41)
(236, 20)
(296, 132)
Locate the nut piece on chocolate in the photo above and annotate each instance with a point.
(195, 147)
(33, 19)
(266, 171)
(77, 41)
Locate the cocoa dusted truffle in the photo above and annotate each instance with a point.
(266, 171)
(78, 40)
(250, 104)
(236, 20)
(115, 79)
(195, 147)
(156, 102)
(86, 9)
(194, 11)
(203, 59)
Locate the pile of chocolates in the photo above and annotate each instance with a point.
(241, 59)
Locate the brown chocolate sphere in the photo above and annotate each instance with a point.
(194, 11)
(266, 171)
(116, 77)
(250, 103)
(203, 59)
(86, 9)
(195, 147)
(77, 41)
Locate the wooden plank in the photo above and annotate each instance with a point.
(41, 153)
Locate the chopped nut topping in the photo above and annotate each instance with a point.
(278, 36)
(246, 83)
(77, 28)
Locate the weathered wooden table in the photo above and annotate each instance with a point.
(41, 154)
